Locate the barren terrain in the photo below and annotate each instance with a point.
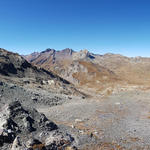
(120, 121)
(103, 111)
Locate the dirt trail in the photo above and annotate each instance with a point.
(121, 121)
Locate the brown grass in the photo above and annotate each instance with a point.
(38, 146)
(104, 146)
(98, 77)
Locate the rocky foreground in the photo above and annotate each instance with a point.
(21, 128)
(27, 129)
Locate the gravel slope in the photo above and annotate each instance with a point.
(121, 121)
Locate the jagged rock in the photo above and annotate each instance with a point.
(20, 119)
(27, 121)
(15, 119)
(6, 136)
(34, 143)
(81, 55)
(28, 129)
(57, 140)
(17, 144)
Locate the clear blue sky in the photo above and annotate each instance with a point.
(101, 26)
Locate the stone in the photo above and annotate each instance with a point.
(16, 144)
(56, 140)
(27, 129)
(31, 142)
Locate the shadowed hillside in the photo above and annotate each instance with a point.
(14, 67)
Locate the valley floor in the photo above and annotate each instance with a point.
(120, 121)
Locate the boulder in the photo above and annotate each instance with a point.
(27, 129)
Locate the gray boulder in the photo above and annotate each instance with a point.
(27, 129)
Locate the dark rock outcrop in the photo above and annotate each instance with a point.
(28, 129)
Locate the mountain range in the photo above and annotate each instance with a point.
(94, 72)
(14, 68)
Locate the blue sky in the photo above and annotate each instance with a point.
(101, 26)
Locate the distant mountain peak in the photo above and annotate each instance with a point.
(84, 51)
(67, 51)
(35, 53)
(48, 50)
(83, 54)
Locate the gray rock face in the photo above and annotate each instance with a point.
(11, 63)
(17, 144)
(19, 119)
(23, 128)
(81, 55)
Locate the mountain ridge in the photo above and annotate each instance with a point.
(14, 68)
(95, 71)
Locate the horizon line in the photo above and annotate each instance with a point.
(90, 51)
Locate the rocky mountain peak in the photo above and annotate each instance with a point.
(35, 54)
(83, 54)
(67, 51)
(85, 51)
(12, 63)
(48, 50)
(31, 56)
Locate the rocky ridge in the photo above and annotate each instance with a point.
(95, 72)
(14, 68)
